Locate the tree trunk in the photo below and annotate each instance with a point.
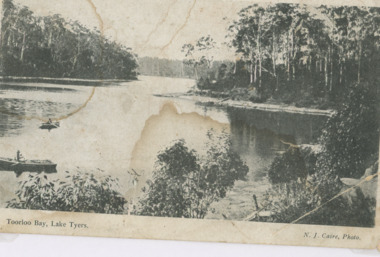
(3, 37)
(255, 72)
(288, 56)
(1, 50)
(359, 60)
(274, 55)
(331, 68)
(340, 71)
(274, 59)
(11, 38)
(317, 61)
(326, 70)
(76, 56)
(23, 47)
(260, 72)
(196, 72)
(259, 52)
(292, 55)
(50, 38)
(251, 73)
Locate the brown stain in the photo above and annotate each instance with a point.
(101, 23)
(159, 23)
(181, 27)
(44, 119)
(26, 117)
(80, 108)
(153, 124)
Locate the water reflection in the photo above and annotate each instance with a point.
(126, 126)
(16, 114)
(299, 128)
(257, 147)
(34, 87)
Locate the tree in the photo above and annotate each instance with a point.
(50, 46)
(288, 167)
(166, 193)
(301, 53)
(199, 54)
(350, 138)
(80, 192)
(184, 184)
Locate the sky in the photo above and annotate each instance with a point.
(150, 28)
(159, 28)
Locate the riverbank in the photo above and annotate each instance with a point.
(64, 81)
(242, 104)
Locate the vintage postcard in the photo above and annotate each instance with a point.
(239, 121)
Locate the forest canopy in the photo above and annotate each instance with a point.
(50, 46)
(299, 53)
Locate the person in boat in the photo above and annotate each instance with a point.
(50, 121)
(19, 156)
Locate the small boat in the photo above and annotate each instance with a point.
(49, 125)
(19, 167)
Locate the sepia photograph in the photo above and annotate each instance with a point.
(258, 115)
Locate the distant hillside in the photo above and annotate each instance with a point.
(153, 66)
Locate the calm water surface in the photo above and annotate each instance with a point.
(124, 126)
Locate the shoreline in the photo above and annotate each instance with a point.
(241, 104)
(64, 81)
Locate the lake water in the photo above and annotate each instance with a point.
(123, 126)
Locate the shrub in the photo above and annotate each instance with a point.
(349, 143)
(288, 167)
(185, 184)
(81, 192)
(350, 138)
(305, 203)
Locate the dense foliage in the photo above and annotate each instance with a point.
(185, 184)
(301, 54)
(153, 66)
(51, 46)
(80, 192)
(349, 145)
(313, 203)
(350, 138)
(288, 167)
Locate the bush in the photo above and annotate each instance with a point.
(305, 203)
(81, 192)
(349, 144)
(185, 184)
(350, 138)
(288, 167)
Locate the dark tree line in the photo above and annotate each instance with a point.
(153, 66)
(323, 50)
(291, 51)
(51, 46)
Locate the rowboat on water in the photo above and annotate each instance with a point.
(18, 167)
(49, 125)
